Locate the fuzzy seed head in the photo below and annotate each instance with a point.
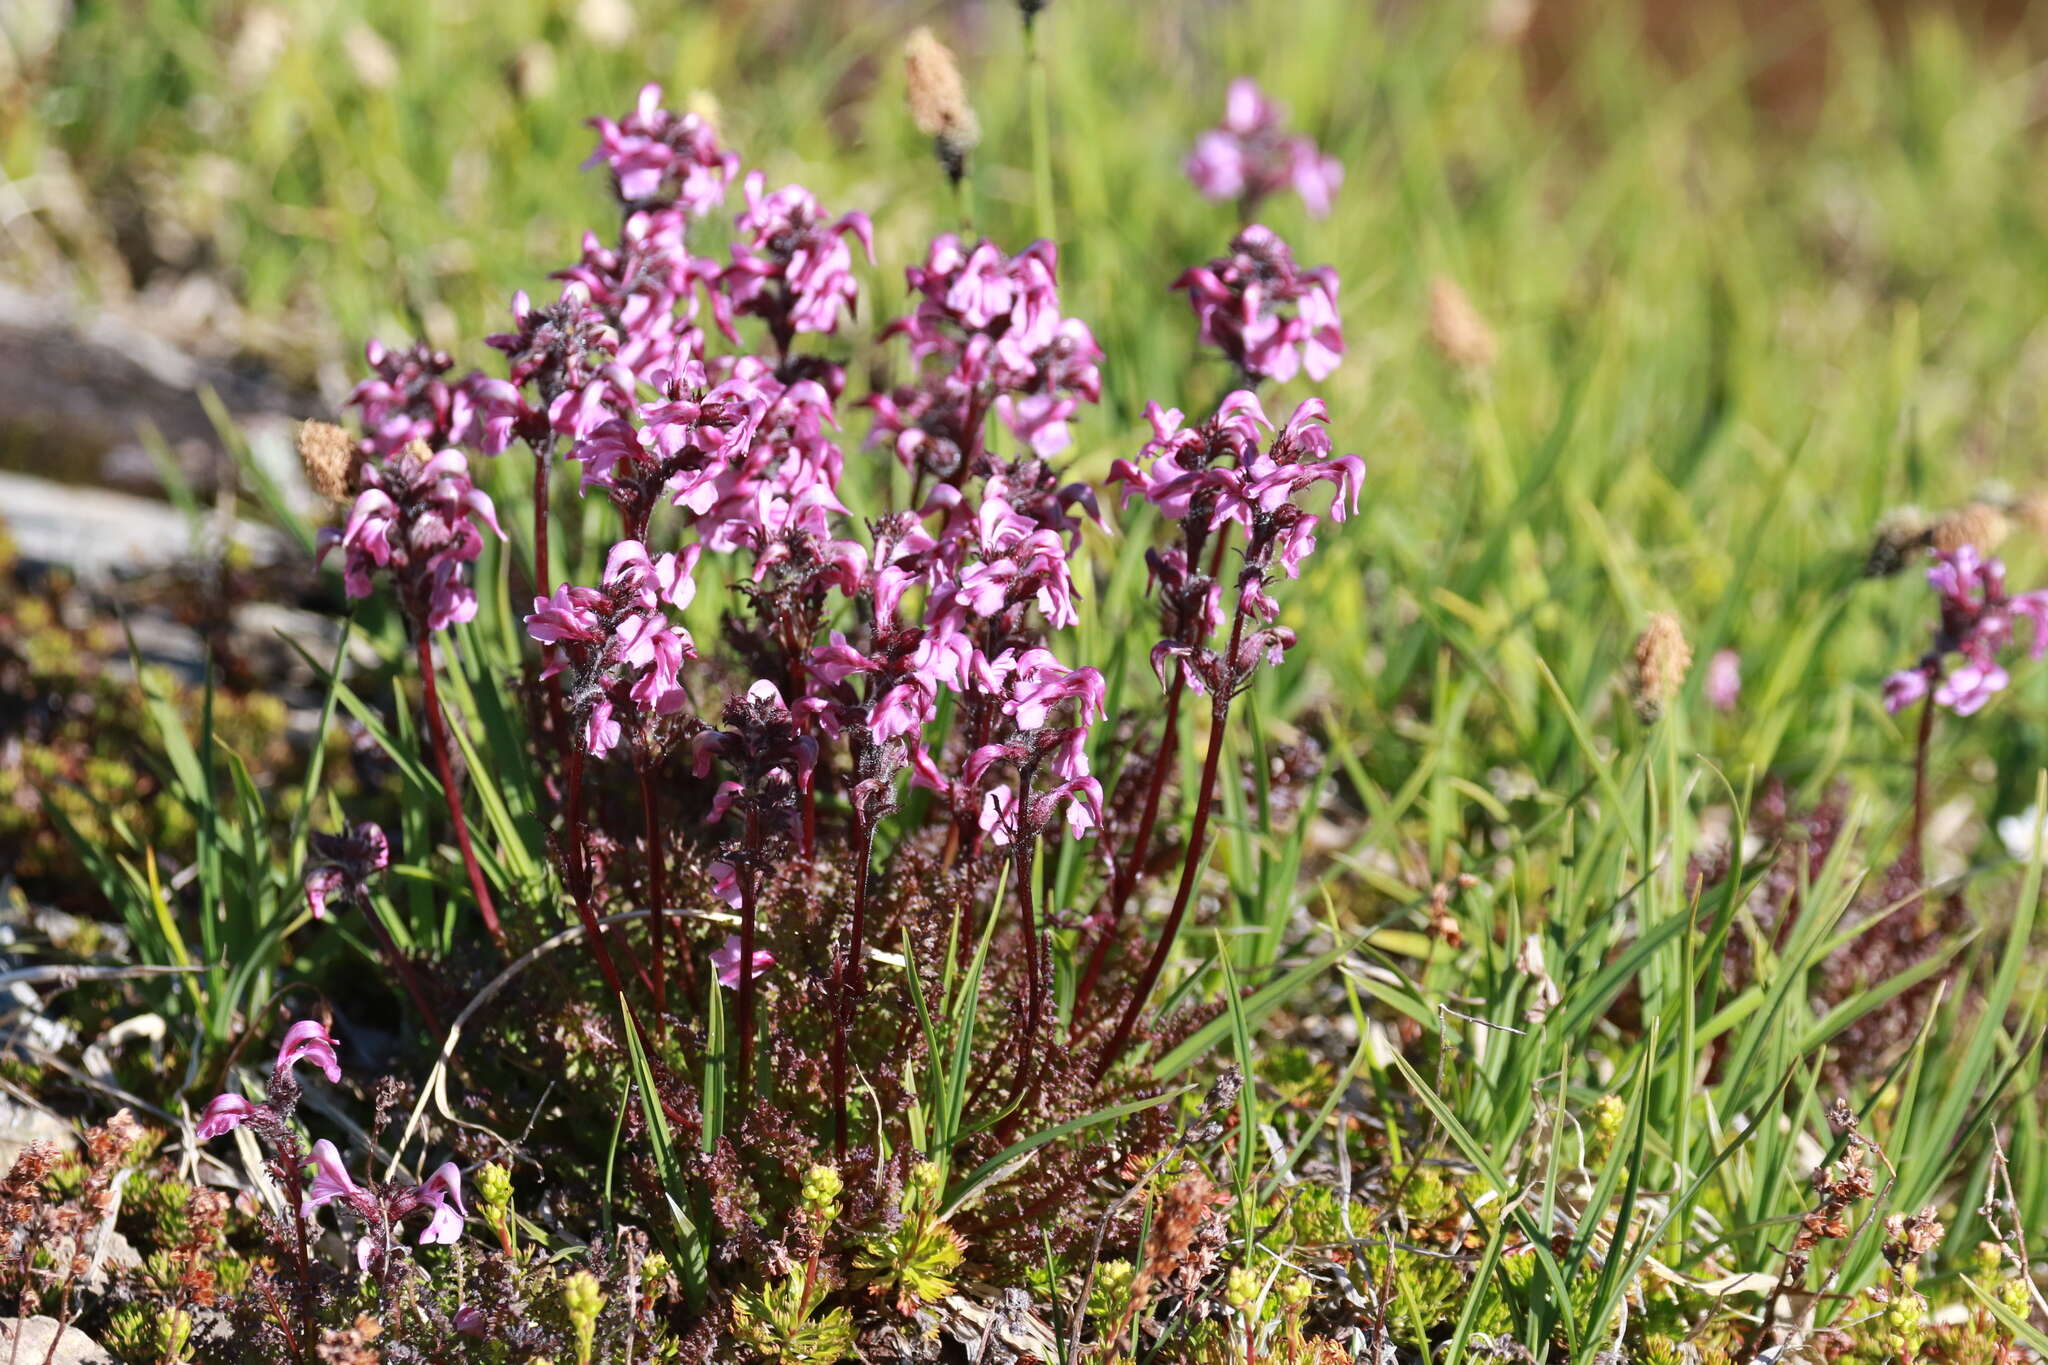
(938, 100)
(1981, 524)
(1456, 329)
(329, 459)
(1662, 657)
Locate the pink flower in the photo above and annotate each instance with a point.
(417, 520)
(727, 962)
(442, 1192)
(408, 398)
(1249, 157)
(347, 862)
(725, 878)
(1724, 680)
(309, 1041)
(1217, 473)
(1268, 317)
(622, 652)
(223, 1114)
(330, 1179)
(789, 265)
(646, 290)
(987, 332)
(658, 156)
(1977, 623)
(568, 352)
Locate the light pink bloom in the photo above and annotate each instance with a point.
(330, 1179)
(1250, 156)
(442, 1192)
(727, 962)
(223, 1114)
(1724, 680)
(309, 1041)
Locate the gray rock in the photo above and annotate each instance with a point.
(37, 1335)
(20, 1125)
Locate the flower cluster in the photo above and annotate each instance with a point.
(417, 520)
(381, 1208)
(986, 335)
(621, 652)
(790, 266)
(662, 159)
(924, 642)
(1269, 317)
(1251, 156)
(1977, 618)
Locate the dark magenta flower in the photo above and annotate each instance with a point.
(987, 335)
(618, 647)
(1250, 156)
(662, 157)
(345, 864)
(790, 265)
(416, 519)
(1269, 317)
(1220, 472)
(1977, 618)
(567, 353)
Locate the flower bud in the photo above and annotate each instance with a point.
(583, 1299)
(493, 1187)
(1241, 1289)
(821, 1193)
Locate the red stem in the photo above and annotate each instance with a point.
(1128, 870)
(1219, 712)
(543, 579)
(1920, 748)
(437, 730)
(403, 966)
(656, 891)
(746, 986)
(847, 982)
(579, 878)
(1034, 995)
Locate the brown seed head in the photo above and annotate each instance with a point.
(1662, 657)
(1980, 524)
(1459, 333)
(329, 458)
(938, 100)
